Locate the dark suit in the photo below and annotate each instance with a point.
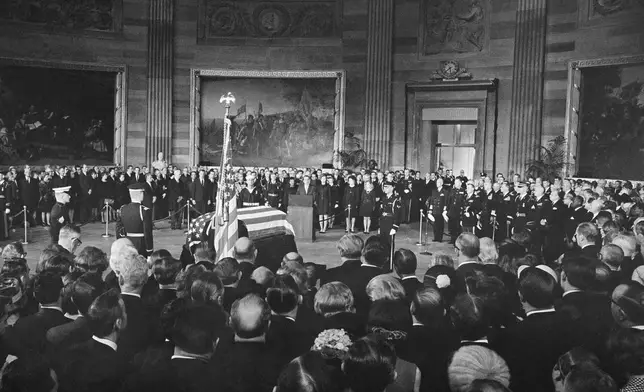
(411, 285)
(197, 192)
(249, 366)
(532, 347)
(465, 271)
(139, 331)
(336, 273)
(211, 194)
(65, 335)
(164, 374)
(292, 338)
(158, 300)
(90, 367)
(58, 211)
(629, 265)
(591, 316)
(352, 323)
(29, 333)
(176, 189)
(311, 190)
(29, 193)
(357, 280)
(85, 185)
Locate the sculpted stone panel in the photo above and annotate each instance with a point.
(610, 7)
(98, 15)
(300, 19)
(454, 26)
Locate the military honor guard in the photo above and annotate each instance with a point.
(437, 210)
(455, 201)
(522, 206)
(251, 195)
(59, 212)
(391, 213)
(6, 197)
(273, 192)
(135, 221)
(471, 209)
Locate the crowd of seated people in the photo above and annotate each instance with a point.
(488, 317)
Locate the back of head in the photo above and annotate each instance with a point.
(107, 314)
(59, 263)
(469, 245)
(484, 385)
(488, 252)
(537, 287)
(197, 327)
(30, 372)
(589, 379)
(133, 272)
(91, 258)
(207, 288)
(579, 272)
(310, 372)
(576, 357)
(13, 250)
(283, 297)
(628, 243)
(385, 287)
(292, 257)
(390, 320)
(47, 286)
(523, 239)
(165, 270)
(298, 271)
(612, 255)
(263, 277)
(370, 365)
(249, 316)
(476, 362)
(245, 250)
(333, 298)
(350, 246)
(375, 253)
(228, 271)
(589, 231)
(119, 249)
(468, 317)
(405, 262)
(205, 255)
(427, 306)
(85, 290)
(628, 304)
(69, 232)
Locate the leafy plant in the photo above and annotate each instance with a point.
(552, 160)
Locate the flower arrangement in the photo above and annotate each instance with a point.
(443, 281)
(332, 343)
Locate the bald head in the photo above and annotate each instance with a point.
(468, 245)
(263, 276)
(612, 255)
(292, 256)
(249, 317)
(245, 250)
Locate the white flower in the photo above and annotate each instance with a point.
(443, 281)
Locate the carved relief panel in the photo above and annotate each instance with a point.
(92, 15)
(263, 19)
(453, 26)
(602, 12)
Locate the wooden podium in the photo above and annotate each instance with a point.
(300, 216)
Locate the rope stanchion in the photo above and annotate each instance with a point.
(24, 209)
(425, 251)
(420, 232)
(107, 221)
(187, 217)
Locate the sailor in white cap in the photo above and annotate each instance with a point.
(135, 221)
(59, 212)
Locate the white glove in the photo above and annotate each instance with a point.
(431, 217)
(194, 202)
(392, 232)
(543, 222)
(445, 216)
(61, 219)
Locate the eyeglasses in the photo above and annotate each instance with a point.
(78, 239)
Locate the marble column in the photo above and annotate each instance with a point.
(158, 136)
(378, 80)
(527, 84)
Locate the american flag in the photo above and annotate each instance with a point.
(197, 230)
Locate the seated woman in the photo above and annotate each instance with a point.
(334, 301)
(471, 363)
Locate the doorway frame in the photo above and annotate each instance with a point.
(461, 93)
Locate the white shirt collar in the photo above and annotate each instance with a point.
(132, 294)
(182, 357)
(484, 340)
(467, 262)
(418, 325)
(289, 318)
(586, 246)
(570, 292)
(540, 311)
(106, 342)
(369, 265)
(409, 277)
(638, 327)
(73, 316)
(52, 308)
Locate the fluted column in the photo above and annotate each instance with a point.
(527, 85)
(158, 136)
(378, 80)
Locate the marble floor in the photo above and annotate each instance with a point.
(321, 251)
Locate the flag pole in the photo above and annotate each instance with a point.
(221, 216)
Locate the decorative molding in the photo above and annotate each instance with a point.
(573, 103)
(269, 20)
(195, 99)
(601, 8)
(603, 12)
(122, 70)
(65, 15)
(449, 27)
(450, 70)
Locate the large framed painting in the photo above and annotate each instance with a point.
(280, 118)
(61, 113)
(605, 118)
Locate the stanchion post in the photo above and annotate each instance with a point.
(107, 221)
(420, 233)
(24, 210)
(187, 217)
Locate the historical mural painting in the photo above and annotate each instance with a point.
(100, 15)
(56, 116)
(611, 122)
(453, 26)
(276, 121)
(261, 19)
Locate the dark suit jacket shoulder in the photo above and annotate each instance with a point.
(67, 334)
(90, 366)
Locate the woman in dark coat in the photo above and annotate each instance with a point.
(46, 201)
(351, 203)
(322, 200)
(367, 205)
(334, 200)
(106, 192)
